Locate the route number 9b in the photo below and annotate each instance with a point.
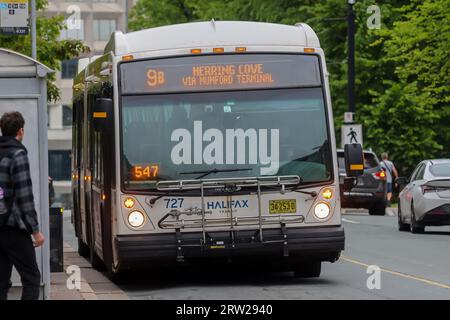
(155, 78)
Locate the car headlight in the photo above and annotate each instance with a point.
(136, 219)
(322, 210)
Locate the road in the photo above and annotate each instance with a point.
(413, 266)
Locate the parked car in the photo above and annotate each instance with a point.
(425, 197)
(370, 189)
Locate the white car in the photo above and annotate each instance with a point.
(425, 199)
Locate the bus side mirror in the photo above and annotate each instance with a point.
(354, 160)
(102, 114)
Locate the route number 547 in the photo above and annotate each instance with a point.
(145, 172)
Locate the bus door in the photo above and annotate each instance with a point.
(77, 129)
(101, 164)
(83, 175)
(101, 194)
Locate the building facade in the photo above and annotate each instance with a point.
(91, 21)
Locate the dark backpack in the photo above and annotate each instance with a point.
(6, 192)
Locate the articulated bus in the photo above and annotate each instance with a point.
(208, 141)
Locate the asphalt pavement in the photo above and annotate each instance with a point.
(411, 266)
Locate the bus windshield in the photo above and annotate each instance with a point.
(260, 132)
(246, 115)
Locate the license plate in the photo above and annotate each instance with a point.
(282, 206)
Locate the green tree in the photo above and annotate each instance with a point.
(410, 112)
(155, 13)
(50, 50)
(402, 75)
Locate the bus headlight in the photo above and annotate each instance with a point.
(136, 219)
(322, 210)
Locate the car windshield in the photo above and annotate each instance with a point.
(370, 161)
(260, 132)
(440, 170)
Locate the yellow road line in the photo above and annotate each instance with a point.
(399, 274)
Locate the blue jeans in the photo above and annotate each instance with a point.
(389, 187)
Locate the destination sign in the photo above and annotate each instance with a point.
(222, 72)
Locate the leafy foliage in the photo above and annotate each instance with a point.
(409, 114)
(403, 77)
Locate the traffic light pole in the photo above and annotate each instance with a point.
(351, 58)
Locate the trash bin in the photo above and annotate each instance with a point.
(56, 239)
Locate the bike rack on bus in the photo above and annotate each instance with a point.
(179, 223)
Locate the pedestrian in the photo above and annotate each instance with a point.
(18, 218)
(391, 175)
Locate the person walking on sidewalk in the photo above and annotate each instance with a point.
(18, 218)
(391, 175)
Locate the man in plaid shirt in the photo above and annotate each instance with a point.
(18, 218)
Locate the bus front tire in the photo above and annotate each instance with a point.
(96, 262)
(310, 269)
(83, 249)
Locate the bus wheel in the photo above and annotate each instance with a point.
(310, 269)
(83, 249)
(116, 277)
(96, 262)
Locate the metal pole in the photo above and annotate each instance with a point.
(351, 58)
(33, 30)
(126, 16)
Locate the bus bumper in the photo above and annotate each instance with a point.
(319, 244)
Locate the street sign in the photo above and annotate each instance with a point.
(349, 117)
(351, 133)
(14, 17)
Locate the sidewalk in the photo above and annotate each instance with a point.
(94, 285)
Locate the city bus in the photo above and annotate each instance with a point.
(208, 141)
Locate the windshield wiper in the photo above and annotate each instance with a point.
(152, 201)
(215, 170)
(204, 173)
(311, 193)
(296, 189)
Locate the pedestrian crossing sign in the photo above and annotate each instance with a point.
(351, 133)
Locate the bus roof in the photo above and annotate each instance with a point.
(212, 33)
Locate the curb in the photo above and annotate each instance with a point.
(93, 284)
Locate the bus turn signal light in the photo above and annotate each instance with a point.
(129, 203)
(309, 50)
(218, 50)
(196, 51)
(327, 193)
(241, 49)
